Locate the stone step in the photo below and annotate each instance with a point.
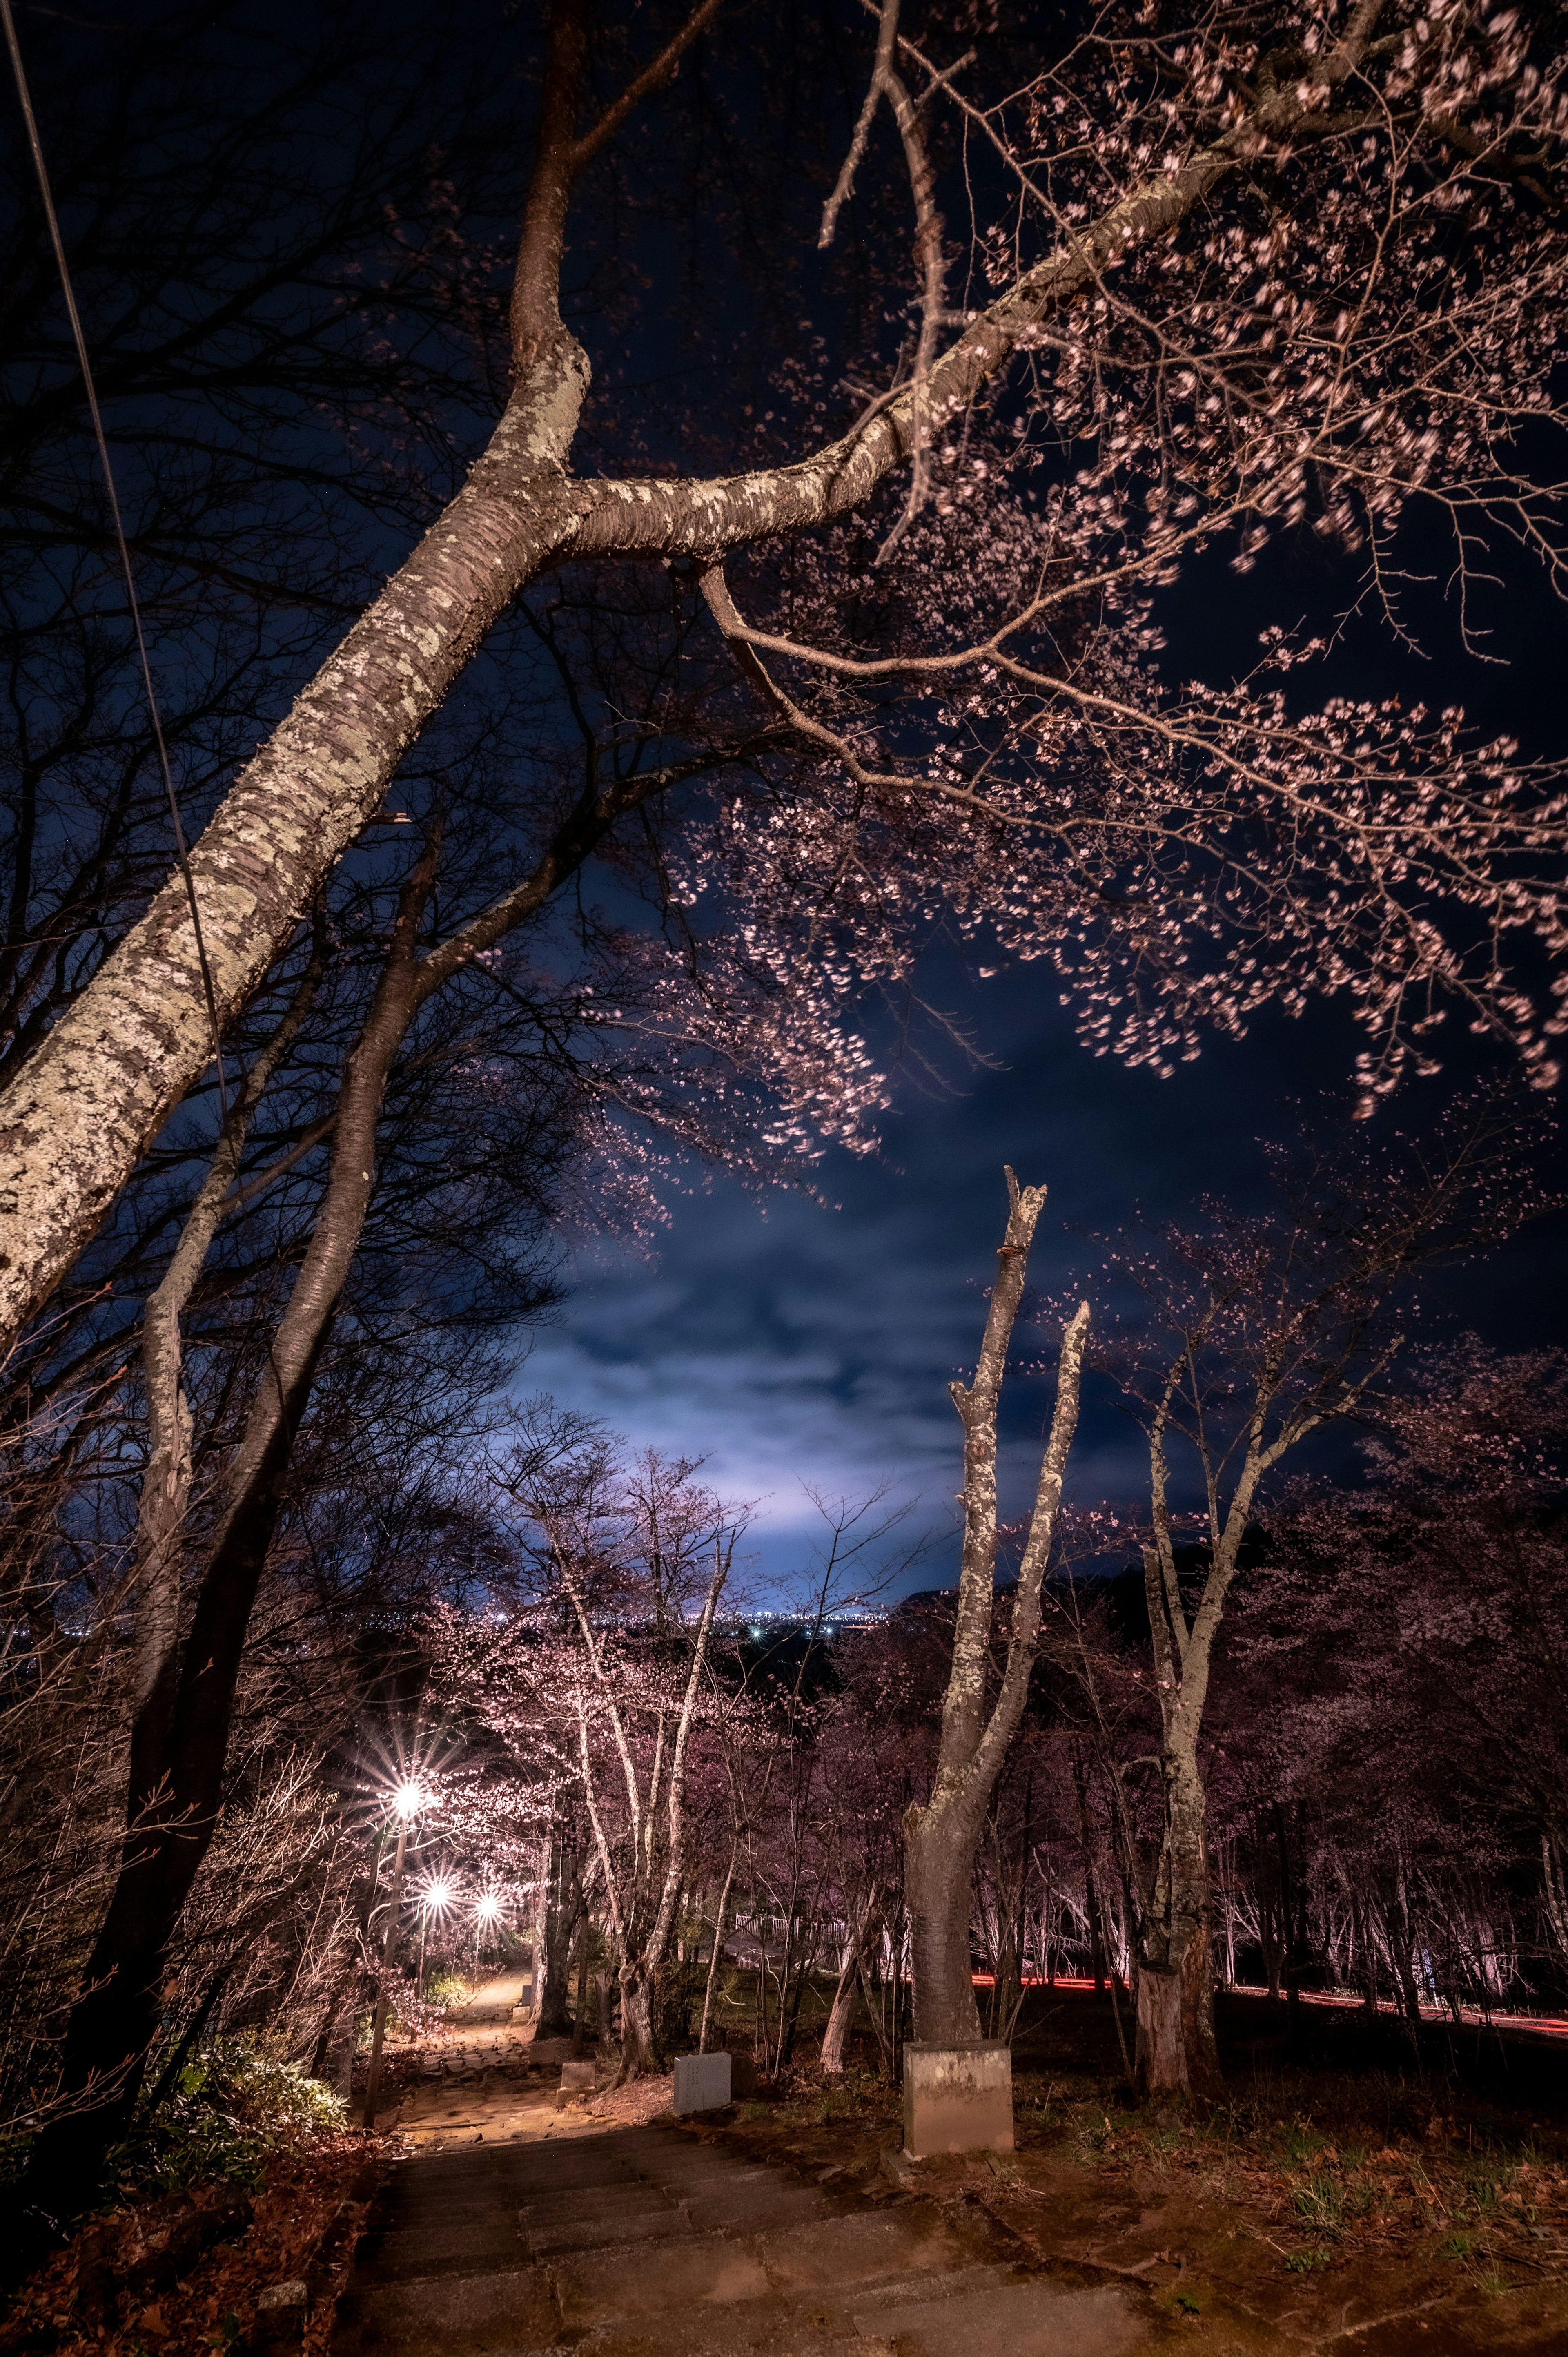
(610, 2230)
(1032, 2318)
(705, 2271)
(746, 2328)
(833, 2253)
(640, 2243)
(452, 2246)
(678, 2173)
(770, 2210)
(561, 2168)
(584, 2201)
(444, 2316)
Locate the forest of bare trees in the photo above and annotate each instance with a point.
(642, 523)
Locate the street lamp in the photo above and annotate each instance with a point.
(487, 1910)
(406, 1802)
(433, 1899)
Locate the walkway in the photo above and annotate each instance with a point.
(521, 2223)
(521, 2220)
(644, 2243)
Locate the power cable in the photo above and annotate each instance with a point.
(25, 95)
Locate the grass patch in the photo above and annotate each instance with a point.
(1319, 2202)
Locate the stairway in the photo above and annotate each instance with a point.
(640, 2243)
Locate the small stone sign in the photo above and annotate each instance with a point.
(958, 2098)
(578, 2077)
(701, 2083)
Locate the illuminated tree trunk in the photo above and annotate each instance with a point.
(940, 1837)
(1175, 2050)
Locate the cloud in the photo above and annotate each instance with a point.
(797, 1341)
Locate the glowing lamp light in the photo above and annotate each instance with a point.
(438, 1895)
(408, 1799)
(488, 1909)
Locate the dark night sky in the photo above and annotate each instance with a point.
(798, 1341)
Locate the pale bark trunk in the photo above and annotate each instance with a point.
(641, 1955)
(715, 1962)
(940, 1838)
(842, 2012)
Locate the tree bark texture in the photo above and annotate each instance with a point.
(1175, 2051)
(562, 1912)
(940, 1837)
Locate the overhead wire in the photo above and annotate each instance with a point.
(182, 851)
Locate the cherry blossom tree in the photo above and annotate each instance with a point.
(1250, 1334)
(1247, 276)
(602, 1682)
(1412, 1633)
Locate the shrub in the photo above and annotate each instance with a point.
(232, 2105)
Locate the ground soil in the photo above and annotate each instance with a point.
(1356, 2190)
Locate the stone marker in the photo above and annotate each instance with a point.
(701, 2083)
(577, 2077)
(958, 2099)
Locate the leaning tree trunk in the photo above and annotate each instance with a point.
(842, 2012)
(942, 1837)
(179, 1733)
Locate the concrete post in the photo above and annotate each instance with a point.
(958, 2098)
